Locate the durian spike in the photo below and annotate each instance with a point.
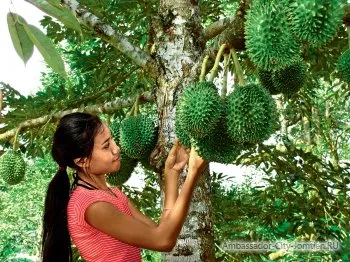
(215, 68)
(15, 140)
(204, 67)
(238, 68)
(224, 79)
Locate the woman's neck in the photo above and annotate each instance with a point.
(97, 181)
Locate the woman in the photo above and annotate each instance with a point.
(102, 222)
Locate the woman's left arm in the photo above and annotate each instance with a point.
(139, 216)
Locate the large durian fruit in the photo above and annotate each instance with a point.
(265, 79)
(269, 40)
(343, 66)
(115, 130)
(218, 146)
(315, 21)
(127, 166)
(198, 110)
(183, 136)
(12, 167)
(251, 114)
(137, 136)
(287, 81)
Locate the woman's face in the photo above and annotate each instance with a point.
(105, 156)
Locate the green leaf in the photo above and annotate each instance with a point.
(61, 13)
(47, 49)
(22, 43)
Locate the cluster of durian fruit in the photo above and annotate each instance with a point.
(221, 127)
(137, 136)
(277, 29)
(12, 167)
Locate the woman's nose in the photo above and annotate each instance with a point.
(116, 149)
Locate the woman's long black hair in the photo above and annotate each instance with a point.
(74, 138)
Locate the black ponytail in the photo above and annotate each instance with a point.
(56, 244)
(74, 138)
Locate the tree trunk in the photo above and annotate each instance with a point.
(179, 42)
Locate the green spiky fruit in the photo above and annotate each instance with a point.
(218, 146)
(115, 130)
(269, 40)
(137, 136)
(343, 66)
(290, 79)
(183, 136)
(126, 168)
(198, 109)
(265, 79)
(315, 21)
(251, 114)
(12, 167)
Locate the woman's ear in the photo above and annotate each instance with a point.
(81, 162)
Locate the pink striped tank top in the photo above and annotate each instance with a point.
(94, 245)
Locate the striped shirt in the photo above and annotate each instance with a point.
(94, 245)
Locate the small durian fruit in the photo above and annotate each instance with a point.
(198, 109)
(137, 136)
(251, 114)
(343, 66)
(218, 146)
(124, 173)
(315, 21)
(269, 39)
(265, 79)
(12, 167)
(115, 130)
(290, 79)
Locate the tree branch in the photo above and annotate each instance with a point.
(94, 109)
(106, 32)
(217, 27)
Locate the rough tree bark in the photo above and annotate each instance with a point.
(180, 45)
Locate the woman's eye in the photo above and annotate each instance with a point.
(106, 146)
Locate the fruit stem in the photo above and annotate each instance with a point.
(224, 79)
(15, 141)
(238, 68)
(215, 68)
(204, 67)
(136, 109)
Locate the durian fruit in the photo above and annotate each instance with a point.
(127, 167)
(343, 66)
(198, 109)
(315, 21)
(265, 79)
(251, 114)
(115, 130)
(183, 136)
(137, 136)
(269, 40)
(290, 79)
(12, 167)
(218, 146)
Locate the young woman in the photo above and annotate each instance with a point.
(102, 222)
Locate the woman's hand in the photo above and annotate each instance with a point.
(196, 164)
(177, 158)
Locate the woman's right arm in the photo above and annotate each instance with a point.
(106, 218)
